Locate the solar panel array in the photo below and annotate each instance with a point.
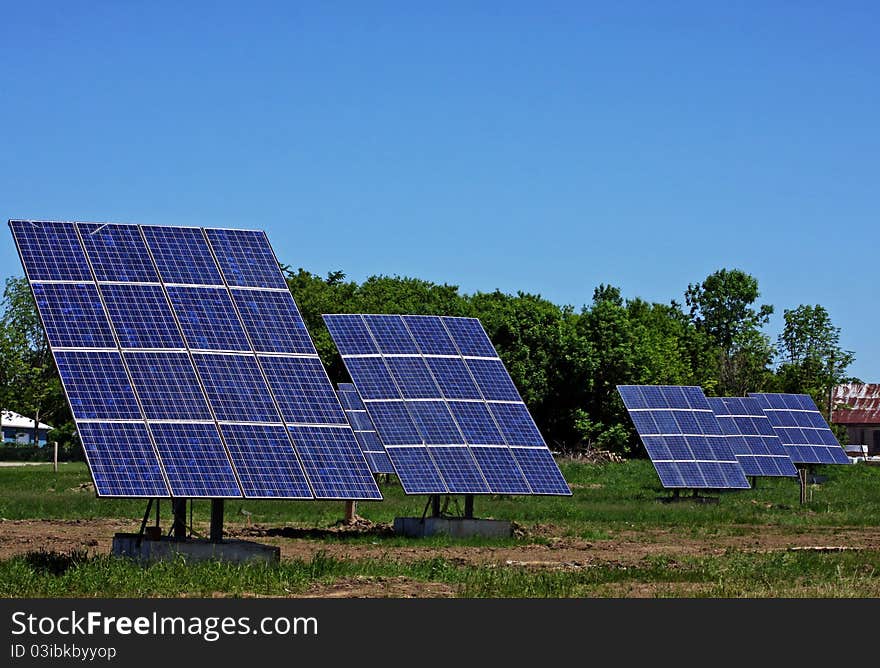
(363, 428)
(444, 406)
(187, 365)
(751, 437)
(804, 433)
(682, 437)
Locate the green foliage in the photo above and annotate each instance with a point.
(29, 382)
(566, 363)
(721, 307)
(812, 360)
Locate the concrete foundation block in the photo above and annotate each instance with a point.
(458, 527)
(167, 549)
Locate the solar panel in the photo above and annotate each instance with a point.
(804, 433)
(444, 406)
(363, 428)
(159, 360)
(751, 437)
(682, 437)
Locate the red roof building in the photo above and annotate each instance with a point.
(858, 407)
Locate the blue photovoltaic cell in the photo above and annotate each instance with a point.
(749, 434)
(683, 437)
(359, 420)
(391, 335)
(208, 319)
(97, 386)
(302, 390)
(141, 316)
(350, 335)
(493, 380)
(516, 425)
(50, 251)
(412, 376)
(372, 378)
(470, 337)
(804, 433)
(379, 462)
(476, 423)
(540, 470)
(118, 253)
(459, 470)
(273, 322)
(453, 377)
(167, 386)
(235, 387)
(430, 335)
(182, 255)
(451, 400)
(349, 397)
(164, 295)
(416, 470)
(393, 423)
(246, 258)
(435, 423)
(195, 461)
(121, 459)
(501, 470)
(265, 461)
(73, 315)
(364, 431)
(334, 463)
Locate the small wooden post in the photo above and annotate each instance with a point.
(802, 478)
(350, 511)
(55, 456)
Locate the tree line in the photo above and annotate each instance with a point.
(565, 361)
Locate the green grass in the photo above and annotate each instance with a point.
(607, 499)
(736, 574)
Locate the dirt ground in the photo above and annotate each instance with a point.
(545, 551)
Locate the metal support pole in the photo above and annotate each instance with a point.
(55, 457)
(216, 534)
(178, 528)
(350, 510)
(802, 478)
(157, 511)
(435, 505)
(469, 506)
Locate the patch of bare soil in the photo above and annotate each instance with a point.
(550, 551)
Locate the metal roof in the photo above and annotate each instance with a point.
(15, 421)
(856, 404)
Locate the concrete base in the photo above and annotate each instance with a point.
(167, 549)
(459, 527)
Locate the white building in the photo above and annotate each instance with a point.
(20, 429)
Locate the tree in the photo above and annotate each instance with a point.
(722, 308)
(549, 361)
(30, 382)
(813, 361)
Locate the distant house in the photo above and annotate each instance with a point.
(858, 407)
(20, 429)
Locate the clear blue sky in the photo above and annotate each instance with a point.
(544, 147)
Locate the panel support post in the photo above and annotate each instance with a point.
(802, 478)
(178, 508)
(435, 505)
(469, 506)
(216, 534)
(350, 511)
